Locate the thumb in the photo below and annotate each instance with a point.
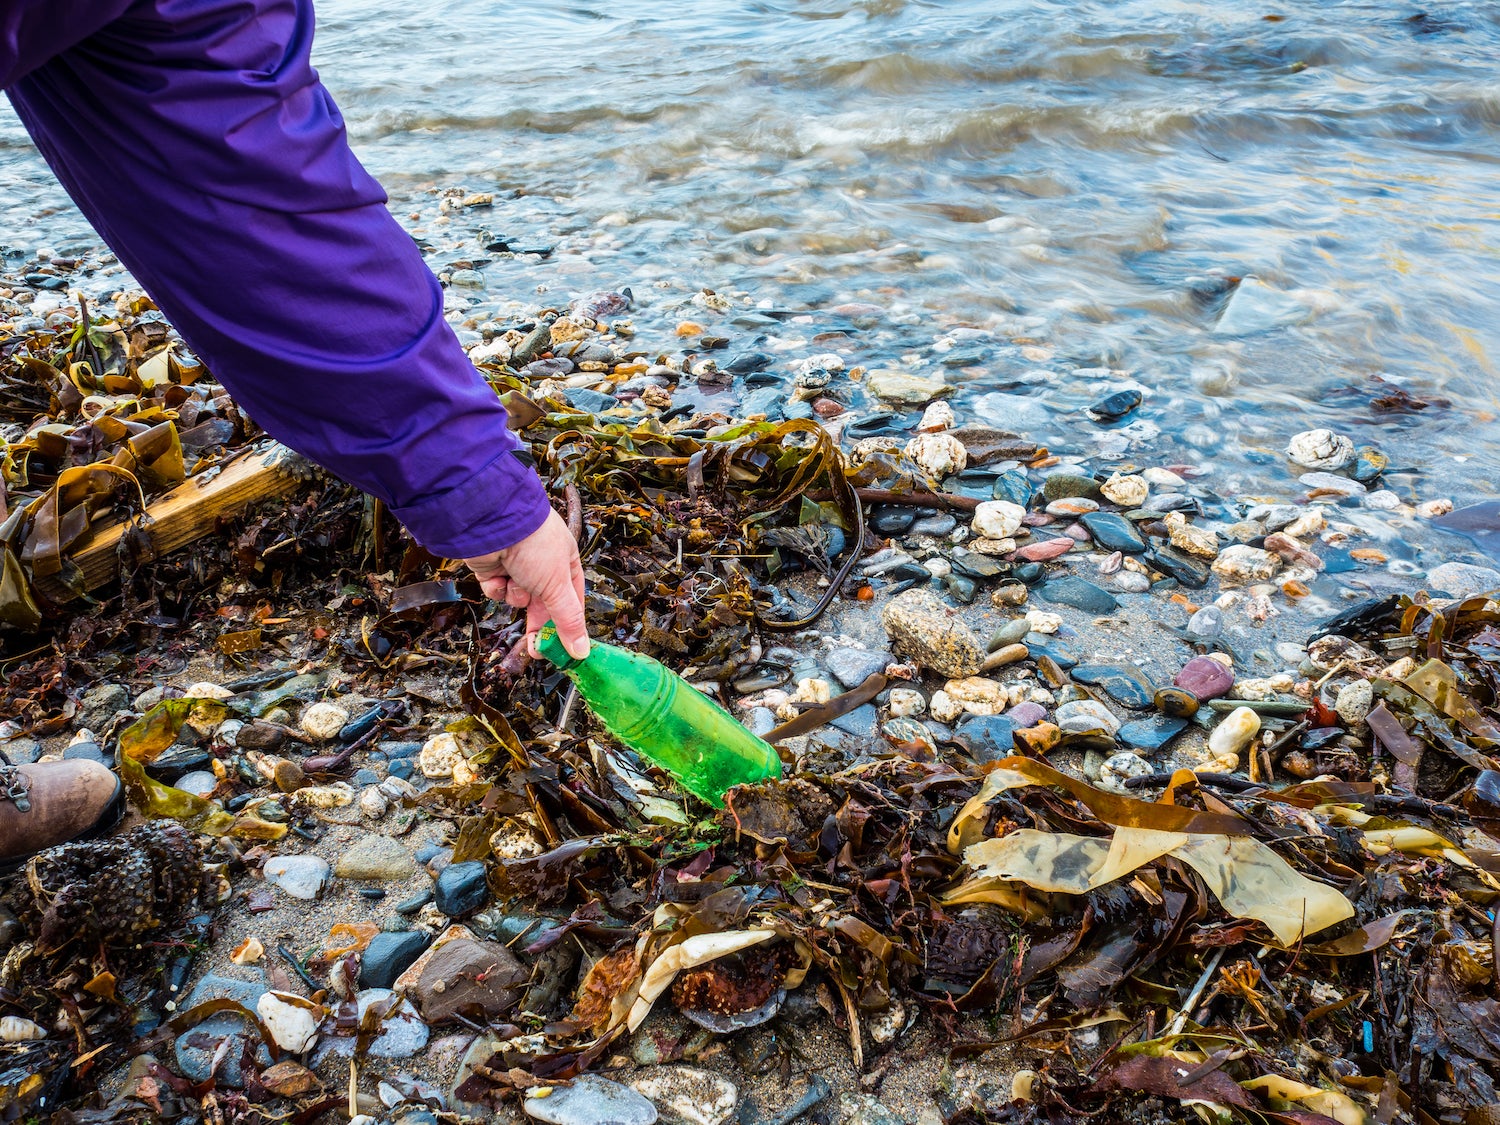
(566, 611)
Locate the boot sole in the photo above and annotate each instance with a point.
(113, 813)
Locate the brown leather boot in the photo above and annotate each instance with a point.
(51, 803)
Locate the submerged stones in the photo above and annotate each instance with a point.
(906, 386)
(1113, 532)
(1320, 449)
(1078, 593)
(1241, 564)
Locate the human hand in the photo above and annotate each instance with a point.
(542, 575)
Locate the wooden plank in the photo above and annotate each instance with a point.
(189, 512)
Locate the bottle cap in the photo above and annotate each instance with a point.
(550, 645)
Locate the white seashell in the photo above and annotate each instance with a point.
(998, 519)
(15, 1029)
(1320, 449)
(292, 1020)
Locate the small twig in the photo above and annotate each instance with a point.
(567, 708)
(291, 959)
(851, 1010)
(1175, 1027)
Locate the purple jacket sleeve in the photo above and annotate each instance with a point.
(196, 137)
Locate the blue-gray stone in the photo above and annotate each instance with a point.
(860, 722)
(365, 777)
(939, 525)
(987, 737)
(388, 956)
(1078, 593)
(1113, 532)
(764, 400)
(1122, 683)
(1012, 486)
(961, 588)
(593, 401)
(592, 1100)
(394, 750)
(1044, 644)
(1150, 734)
(461, 889)
(892, 519)
(852, 666)
(1186, 569)
(403, 768)
(428, 850)
(195, 1048)
(761, 721)
(1116, 405)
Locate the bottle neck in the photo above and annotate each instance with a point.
(550, 645)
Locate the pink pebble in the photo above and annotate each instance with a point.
(1044, 550)
(1205, 677)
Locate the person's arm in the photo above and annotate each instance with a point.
(199, 141)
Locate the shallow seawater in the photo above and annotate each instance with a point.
(1047, 201)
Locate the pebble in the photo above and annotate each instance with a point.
(900, 730)
(1012, 486)
(1186, 569)
(196, 1048)
(1177, 702)
(1234, 732)
(376, 857)
(1190, 538)
(689, 1095)
(1059, 486)
(1241, 565)
(906, 386)
(1113, 532)
(1131, 582)
(1083, 715)
(1354, 702)
(439, 755)
(1026, 714)
(1119, 768)
(926, 631)
(1462, 580)
(938, 416)
(1126, 490)
(1330, 482)
(1121, 682)
(1151, 734)
(200, 783)
(402, 1032)
(987, 737)
(938, 455)
(388, 956)
(323, 721)
(1078, 593)
(859, 723)
(998, 519)
(590, 1100)
(863, 1109)
(467, 976)
(1205, 677)
(99, 706)
(852, 666)
(1320, 449)
(1045, 550)
(937, 527)
(301, 876)
(892, 519)
(906, 701)
(1072, 506)
(1207, 623)
(461, 889)
(1116, 405)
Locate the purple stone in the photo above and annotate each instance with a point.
(1026, 714)
(1205, 677)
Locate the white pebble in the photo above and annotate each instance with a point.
(439, 755)
(1320, 449)
(905, 701)
(323, 721)
(998, 519)
(1234, 732)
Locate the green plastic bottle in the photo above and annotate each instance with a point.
(664, 719)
